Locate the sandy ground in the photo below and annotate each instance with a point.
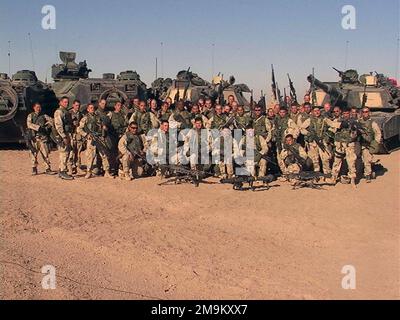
(113, 239)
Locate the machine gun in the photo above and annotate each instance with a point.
(293, 94)
(239, 181)
(306, 179)
(180, 174)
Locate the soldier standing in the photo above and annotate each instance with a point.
(132, 147)
(63, 126)
(38, 124)
(142, 118)
(77, 143)
(198, 144)
(371, 137)
(262, 135)
(345, 138)
(317, 138)
(180, 118)
(118, 127)
(92, 127)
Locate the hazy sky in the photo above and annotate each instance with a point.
(248, 35)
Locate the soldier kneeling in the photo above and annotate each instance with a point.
(132, 147)
(293, 155)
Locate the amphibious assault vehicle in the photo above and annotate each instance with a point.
(379, 93)
(71, 79)
(16, 98)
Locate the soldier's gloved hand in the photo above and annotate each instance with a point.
(66, 141)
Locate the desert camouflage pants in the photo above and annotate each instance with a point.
(315, 153)
(65, 157)
(42, 149)
(91, 155)
(344, 150)
(262, 164)
(367, 159)
(77, 146)
(128, 163)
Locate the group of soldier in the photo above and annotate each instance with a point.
(290, 138)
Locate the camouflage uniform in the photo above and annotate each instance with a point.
(225, 164)
(180, 120)
(196, 148)
(370, 140)
(282, 127)
(63, 125)
(36, 122)
(127, 146)
(344, 148)
(290, 163)
(142, 119)
(77, 141)
(318, 130)
(93, 123)
(262, 135)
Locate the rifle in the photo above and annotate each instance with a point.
(187, 84)
(364, 98)
(306, 179)
(273, 85)
(296, 156)
(27, 138)
(314, 137)
(181, 174)
(227, 123)
(98, 142)
(176, 98)
(293, 94)
(251, 99)
(221, 99)
(312, 90)
(278, 92)
(239, 181)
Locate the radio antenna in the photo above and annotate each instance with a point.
(31, 47)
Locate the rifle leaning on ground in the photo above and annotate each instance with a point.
(306, 179)
(239, 181)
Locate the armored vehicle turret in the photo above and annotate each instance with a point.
(188, 86)
(379, 93)
(17, 96)
(71, 79)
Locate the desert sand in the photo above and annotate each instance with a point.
(114, 239)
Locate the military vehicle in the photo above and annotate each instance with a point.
(17, 96)
(375, 91)
(188, 86)
(71, 79)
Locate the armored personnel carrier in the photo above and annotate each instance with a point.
(188, 86)
(17, 96)
(379, 93)
(71, 79)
